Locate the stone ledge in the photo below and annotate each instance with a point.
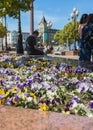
(4, 51)
(12, 118)
(72, 52)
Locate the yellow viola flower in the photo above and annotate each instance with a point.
(24, 97)
(14, 89)
(67, 112)
(0, 78)
(7, 93)
(25, 89)
(73, 74)
(2, 91)
(20, 93)
(16, 69)
(22, 77)
(2, 102)
(34, 68)
(42, 67)
(66, 74)
(10, 65)
(43, 107)
(21, 68)
(44, 63)
(29, 62)
(33, 95)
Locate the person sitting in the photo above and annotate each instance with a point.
(31, 45)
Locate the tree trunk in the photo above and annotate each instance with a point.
(19, 43)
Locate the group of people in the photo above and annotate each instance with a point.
(32, 48)
(86, 40)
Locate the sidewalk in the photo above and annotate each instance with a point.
(65, 56)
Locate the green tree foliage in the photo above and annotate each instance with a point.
(2, 30)
(12, 7)
(69, 32)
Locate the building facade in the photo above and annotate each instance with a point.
(46, 33)
(12, 37)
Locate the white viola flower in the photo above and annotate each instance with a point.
(36, 85)
(51, 94)
(46, 85)
(35, 101)
(91, 88)
(81, 105)
(47, 77)
(89, 114)
(29, 99)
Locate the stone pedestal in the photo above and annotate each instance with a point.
(12, 118)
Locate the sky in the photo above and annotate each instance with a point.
(56, 11)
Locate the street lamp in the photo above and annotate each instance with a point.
(74, 16)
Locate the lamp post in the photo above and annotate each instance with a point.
(74, 16)
(19, 42)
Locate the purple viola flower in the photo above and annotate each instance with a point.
(9, 102)
(91, 104)
(91, 80)
(83, 89)
(16, 98)
(25, 84)
(75, 98)
(60, 80)
(77, 82)
(30, 81)
(47, 102)
(20, 86)
(7, 71)
(38, 75)
(70, 104)
(41, 101)
(1, 81)
(57, 100)
(17, 78)
(69, 84)
(53, 101)
(2, 96)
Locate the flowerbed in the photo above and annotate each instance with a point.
(45, 85)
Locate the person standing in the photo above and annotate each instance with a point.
(87, 38)
(31, 45)
(83, 23)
